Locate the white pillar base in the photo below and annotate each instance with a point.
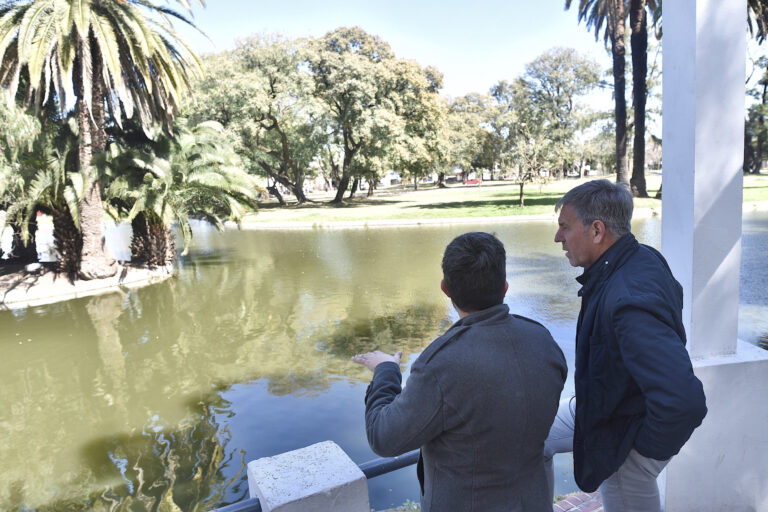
(723, 465)
(318, 478)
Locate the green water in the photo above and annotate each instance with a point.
(145, 399)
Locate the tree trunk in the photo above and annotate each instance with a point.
(21, 252)
(152, 242)
(353, 190)
(415, 183)
(757, 163)
(371, 188)
(749, 153)
(95, 261)
(297, 187)
(522, 197)
(639, 42)
(619, 86)
(441, 180)
(273, 190)
(343, 184)
(67, 241)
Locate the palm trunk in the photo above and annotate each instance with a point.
(619, 86)
(95, 261)
(152, 243)
(21, 252)
(639, 42)
(67, 241)
(757, 164)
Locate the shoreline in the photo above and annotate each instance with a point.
(20, 288)
(441, 221)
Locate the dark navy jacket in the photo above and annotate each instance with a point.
(635, 386)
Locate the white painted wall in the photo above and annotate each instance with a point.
(724, 465)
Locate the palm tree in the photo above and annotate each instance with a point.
(56, 189)
(113, 56)
(612, 14)
(757, 19)
(194, 174)
(17, 136)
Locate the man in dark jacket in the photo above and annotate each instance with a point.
(637, 398)
(480, 399)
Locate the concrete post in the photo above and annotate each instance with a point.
(722, 467)
(703, 134)
(318, 478)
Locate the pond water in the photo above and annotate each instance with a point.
(137, 398)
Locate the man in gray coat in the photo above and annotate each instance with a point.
(480, 398)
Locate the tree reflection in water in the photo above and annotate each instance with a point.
(164, 469)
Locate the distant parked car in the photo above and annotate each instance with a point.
(474, 181)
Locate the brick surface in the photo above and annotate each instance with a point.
(592, 506)
(580, 502)
(574, 500)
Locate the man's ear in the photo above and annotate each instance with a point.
(444, 288)
(598, 232)
(506, 287)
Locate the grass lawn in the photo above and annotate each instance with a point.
(491, 199)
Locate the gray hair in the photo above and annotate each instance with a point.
(601, 200)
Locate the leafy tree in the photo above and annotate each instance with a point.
(555, 81)
(349, 75)
(194, 174)
(267, 106)
(537, 116)
(464, 132)
(418, 115)
(112, 56)
(54, 187)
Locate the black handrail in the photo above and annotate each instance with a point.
(370, 469)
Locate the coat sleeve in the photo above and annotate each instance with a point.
(656, 358)
(396, 421)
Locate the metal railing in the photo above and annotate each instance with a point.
(370, 469)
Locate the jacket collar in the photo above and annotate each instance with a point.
(609, 261)
(492, 313)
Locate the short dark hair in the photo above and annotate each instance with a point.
(601, 200)
(475, 270)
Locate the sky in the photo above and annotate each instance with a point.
(474, 44)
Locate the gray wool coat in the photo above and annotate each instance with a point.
(479, 403)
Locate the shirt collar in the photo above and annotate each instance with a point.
(606, 263)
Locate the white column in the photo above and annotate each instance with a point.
(722, 467)
(703, 140)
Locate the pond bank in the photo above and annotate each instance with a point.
(20, 288)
